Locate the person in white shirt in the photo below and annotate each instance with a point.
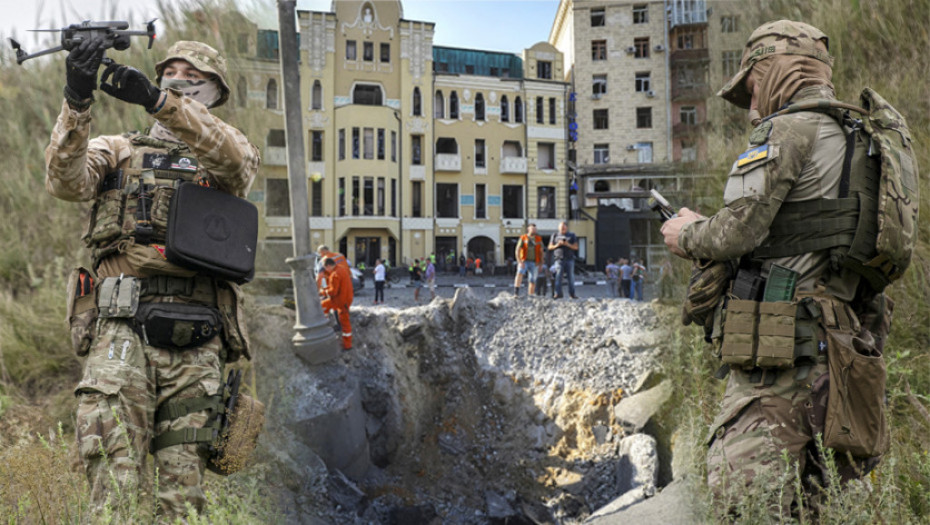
(379, 281)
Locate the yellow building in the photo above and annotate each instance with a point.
(412, 149)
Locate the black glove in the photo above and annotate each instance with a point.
(81, 69)
(129, 85)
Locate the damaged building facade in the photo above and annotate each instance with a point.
(415, 149)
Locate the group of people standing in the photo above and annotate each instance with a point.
(530, 256)
(626, 278)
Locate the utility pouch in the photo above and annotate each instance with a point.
(235, 335)
(161, 200)
(855, 421)
(118, 297)
(740, 331)
(776, 346)
(107, 220)
(147, 260)
(82, 310)
(176, 325)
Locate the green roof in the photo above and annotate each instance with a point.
(477, 62)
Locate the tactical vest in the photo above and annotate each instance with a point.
(871, 228)
(132, 203)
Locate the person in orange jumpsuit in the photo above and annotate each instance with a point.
(338, 295)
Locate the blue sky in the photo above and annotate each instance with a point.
(501, 25)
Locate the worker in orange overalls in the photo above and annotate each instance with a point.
(338, 296)
(323, 252)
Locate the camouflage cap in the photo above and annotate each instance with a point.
(783, 37)
(202, 57)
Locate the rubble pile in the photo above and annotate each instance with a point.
(462, 411)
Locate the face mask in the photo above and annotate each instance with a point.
(207, 92)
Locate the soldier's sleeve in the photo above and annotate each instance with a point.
(756, 187)
(75, 165)
(220, 148)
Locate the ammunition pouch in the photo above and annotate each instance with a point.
(231, 432)
(176, 325)
(777, 334)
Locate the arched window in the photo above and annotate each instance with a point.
(316, 96)
(454, 105)
(479, 107)
(417, 103)
(518, 110)
(271, 94)
(505, 109)
(439, 105)
(242, 93)
(601, 186)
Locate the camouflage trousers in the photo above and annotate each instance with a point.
(766, 419)
(124, 382)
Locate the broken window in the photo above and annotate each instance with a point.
(277, 198)
(512, 201)
(600, 119)
(597, 17)
(546, 202)
(643, 118)
(598, 50)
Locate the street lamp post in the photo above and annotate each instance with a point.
(315, 342)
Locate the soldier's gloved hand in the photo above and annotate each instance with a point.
(81, 69)
(129, 85)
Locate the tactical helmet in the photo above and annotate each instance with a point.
(201, 56)
(783, 37)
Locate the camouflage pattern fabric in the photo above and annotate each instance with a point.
(757, 424)
(789, 169)
(124, 382)
(766, 419)
(782, 37)
(76, 166)
(202, 57)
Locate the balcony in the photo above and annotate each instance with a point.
(696, 91)
(690, 55)
(687, 12)
(683, 129)
(275, 156)
(447, 162)
(513, 165)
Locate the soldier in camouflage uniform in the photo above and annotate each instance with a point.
(129, 393)
(768, 412)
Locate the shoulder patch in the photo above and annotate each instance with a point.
(753, 155)
(761, 133)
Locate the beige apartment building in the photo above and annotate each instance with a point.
(641, 73)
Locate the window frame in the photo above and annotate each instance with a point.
(600, 118)
(644, 117)
(598, 50)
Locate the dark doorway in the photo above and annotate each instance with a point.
(613, 235)
(481, 247)
(367, 250)
(446, 253)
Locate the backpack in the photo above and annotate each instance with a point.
(878, 201)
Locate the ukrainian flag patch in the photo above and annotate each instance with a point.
(758, 153)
